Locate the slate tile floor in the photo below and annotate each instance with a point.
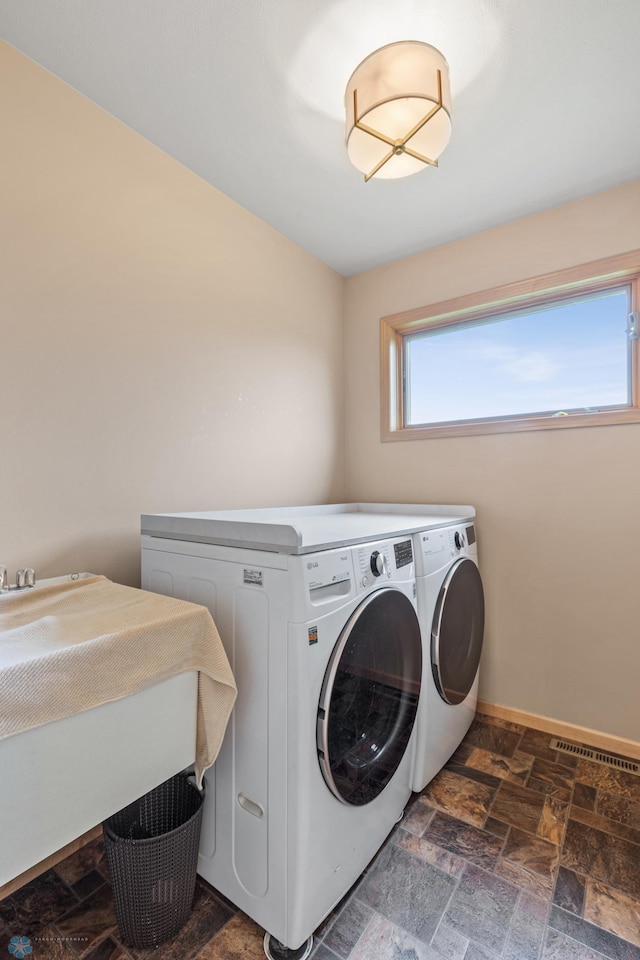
(514, 851)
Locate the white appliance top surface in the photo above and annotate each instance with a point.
(304, 529)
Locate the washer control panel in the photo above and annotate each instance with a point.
(373, 564)
(332, 575)
(403, 552)
(379, 562)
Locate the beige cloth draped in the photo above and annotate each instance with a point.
(65, 648)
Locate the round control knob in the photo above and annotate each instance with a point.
(377, 563)
(458, 539)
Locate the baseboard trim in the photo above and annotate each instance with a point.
(570, 731)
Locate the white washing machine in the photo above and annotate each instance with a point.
(451, 614)
(325, 645)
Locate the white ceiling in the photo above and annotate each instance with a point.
(249, 95)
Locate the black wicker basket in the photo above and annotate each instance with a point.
(152, 853)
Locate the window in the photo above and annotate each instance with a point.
(558, 351)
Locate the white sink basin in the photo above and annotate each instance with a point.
(61, 779)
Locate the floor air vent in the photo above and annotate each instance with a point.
(607, 759)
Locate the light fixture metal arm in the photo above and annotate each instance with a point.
(378, 165)
(362, 126)
(420, 156)
(428, 116)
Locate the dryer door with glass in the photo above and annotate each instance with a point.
(457, 631)
(369, 697)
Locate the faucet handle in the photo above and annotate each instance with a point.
(20, 579)
(4, 580)
(29, 577)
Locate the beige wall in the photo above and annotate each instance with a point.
(558, 511)
(160, 348)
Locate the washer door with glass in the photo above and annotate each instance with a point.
(458, 629)
(369, 697)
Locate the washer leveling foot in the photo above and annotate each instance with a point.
(275, 950)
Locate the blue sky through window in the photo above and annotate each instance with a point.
(569, 356)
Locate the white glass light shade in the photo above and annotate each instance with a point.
(395, 89)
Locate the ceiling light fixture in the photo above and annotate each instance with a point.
(398, 106)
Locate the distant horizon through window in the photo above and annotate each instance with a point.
(550, 359)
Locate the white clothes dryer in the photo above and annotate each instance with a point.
(316, 764)
(451, 614)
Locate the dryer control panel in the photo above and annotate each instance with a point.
(435, 548)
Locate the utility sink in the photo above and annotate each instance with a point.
(59, 780)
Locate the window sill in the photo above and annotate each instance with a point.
(514, 425)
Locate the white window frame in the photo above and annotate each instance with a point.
(551, 288)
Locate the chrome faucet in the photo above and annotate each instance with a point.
(24, 578)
